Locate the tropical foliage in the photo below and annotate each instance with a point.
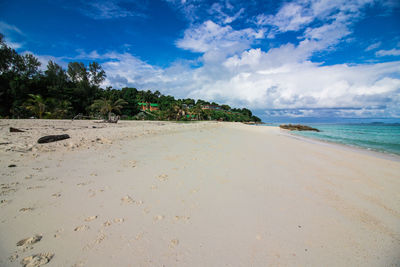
(107, 106)
(27, 91)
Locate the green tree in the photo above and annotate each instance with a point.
(59, 109)
(107, 106)
(36, 104)
(56, 80)
(129, 95)
(77, 72)
(97, 74)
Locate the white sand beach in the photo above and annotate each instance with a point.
(143, 193)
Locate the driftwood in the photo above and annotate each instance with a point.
(15, 130)
(80, 117)
(298, 127)
(114, 119)
(52, 138)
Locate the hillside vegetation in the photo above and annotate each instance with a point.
(56, 93)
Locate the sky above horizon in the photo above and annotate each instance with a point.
(281, 59)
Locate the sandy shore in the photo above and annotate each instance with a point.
(198, 194)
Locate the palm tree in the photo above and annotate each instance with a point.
(198, 111)
(106, 106)
(36, 104)
(63, 109)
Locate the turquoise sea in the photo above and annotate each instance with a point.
(382, 137)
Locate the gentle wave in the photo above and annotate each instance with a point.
(378, 137)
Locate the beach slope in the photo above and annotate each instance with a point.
(198, 194)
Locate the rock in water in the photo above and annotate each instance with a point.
(52, 138)
(298, 127)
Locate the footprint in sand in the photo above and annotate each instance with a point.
(91, 218)
(48, 179)
(174, 243)
(38, 169)
(13, 257)
(35, 187)
(182, 218)
(119, 220)
(37, 260)
(92, 192)
(127, 199)
(29, 241)
(146, 210)
(58, 232)
(100, 238)
(130, 163)
(163, 177)
(194, 191)
(84, 183)
(81, 228)
(26, 209)
(159, 217)
(4, 201)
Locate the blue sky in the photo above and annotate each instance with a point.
(282, 59)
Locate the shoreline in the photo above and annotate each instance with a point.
(355, 148)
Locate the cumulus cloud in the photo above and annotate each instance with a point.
(44, 60)
(274, 80)
(391, 52)
(296, 15)
(210, 36)
(291, 17)
(282, 79)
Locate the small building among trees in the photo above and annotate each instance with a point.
(148, 106)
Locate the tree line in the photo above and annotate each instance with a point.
(56, 93)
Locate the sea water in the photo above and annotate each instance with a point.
(382, 137)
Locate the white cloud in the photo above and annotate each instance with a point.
(291, 17)
(111, 9)
(209, 37)
(281, 79)
(391, 52)
(13, 45)
(44, 60)
(373, 46)
(296, 15)
(217, 9)
(11, 30)
(4, 27)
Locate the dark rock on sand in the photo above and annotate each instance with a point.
(52, 138)
(15, 130)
